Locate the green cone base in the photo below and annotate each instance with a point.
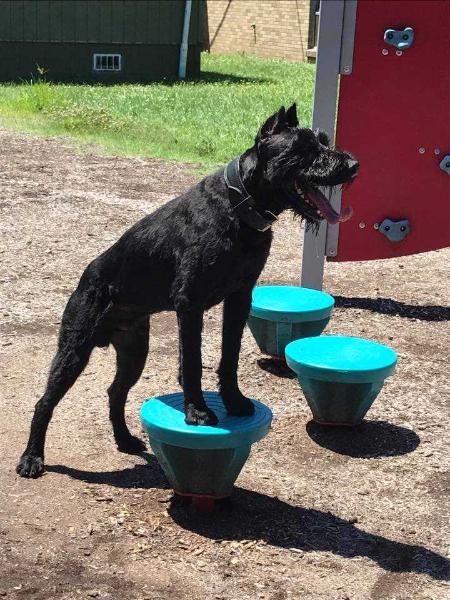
(335, 403)
(272, 337)
(200, 472)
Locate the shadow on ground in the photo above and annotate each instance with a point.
(213, 77)
(370, 439)
(387, 306)
(204, 77)
(148, 475)
(276, 367)
(260, 517)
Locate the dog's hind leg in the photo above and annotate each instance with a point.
(65, 368)
(79, 333)
(236, 308)
(190, 323)
(132, 348)
(76, 341)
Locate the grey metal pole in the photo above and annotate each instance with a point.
(324, 117)
(185, 40)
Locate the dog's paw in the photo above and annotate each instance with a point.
(30, 466)
(131, 445)
(195, 416)
(239, 406)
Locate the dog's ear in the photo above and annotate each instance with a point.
(323, 138)
(291, 116)
(273, 125)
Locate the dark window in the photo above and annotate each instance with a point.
(107, 62)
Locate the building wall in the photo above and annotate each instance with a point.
(61, 36)
(267, 28)
(69, 61)
(105, 21)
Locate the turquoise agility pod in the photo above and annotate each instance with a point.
(340, 376)
(202, 461)
(280, 314)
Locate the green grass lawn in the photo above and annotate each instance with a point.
(205, 121)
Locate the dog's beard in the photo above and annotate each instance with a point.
(312, 226)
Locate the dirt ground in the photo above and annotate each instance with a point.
(317, 514)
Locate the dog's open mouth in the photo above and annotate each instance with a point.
(322, 207)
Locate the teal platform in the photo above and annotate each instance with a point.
(340, 376)
(201, 461)
(280, 314)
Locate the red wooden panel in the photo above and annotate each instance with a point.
(389, 107)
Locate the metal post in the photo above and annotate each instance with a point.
(184, 47)
(324, 117)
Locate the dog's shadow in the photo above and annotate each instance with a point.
(143, 475)
(258, 517)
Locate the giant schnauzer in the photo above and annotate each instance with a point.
(207, 246)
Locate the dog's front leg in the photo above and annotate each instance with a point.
(236, 308)
(190, 323)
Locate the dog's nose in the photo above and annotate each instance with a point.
(353, 165)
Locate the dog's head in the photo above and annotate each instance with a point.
(295, 162)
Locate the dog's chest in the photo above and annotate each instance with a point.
(241, 269)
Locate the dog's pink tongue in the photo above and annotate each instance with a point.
(327, 211)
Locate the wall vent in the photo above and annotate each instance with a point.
(107, 62)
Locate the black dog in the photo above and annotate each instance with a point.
(206, 246)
